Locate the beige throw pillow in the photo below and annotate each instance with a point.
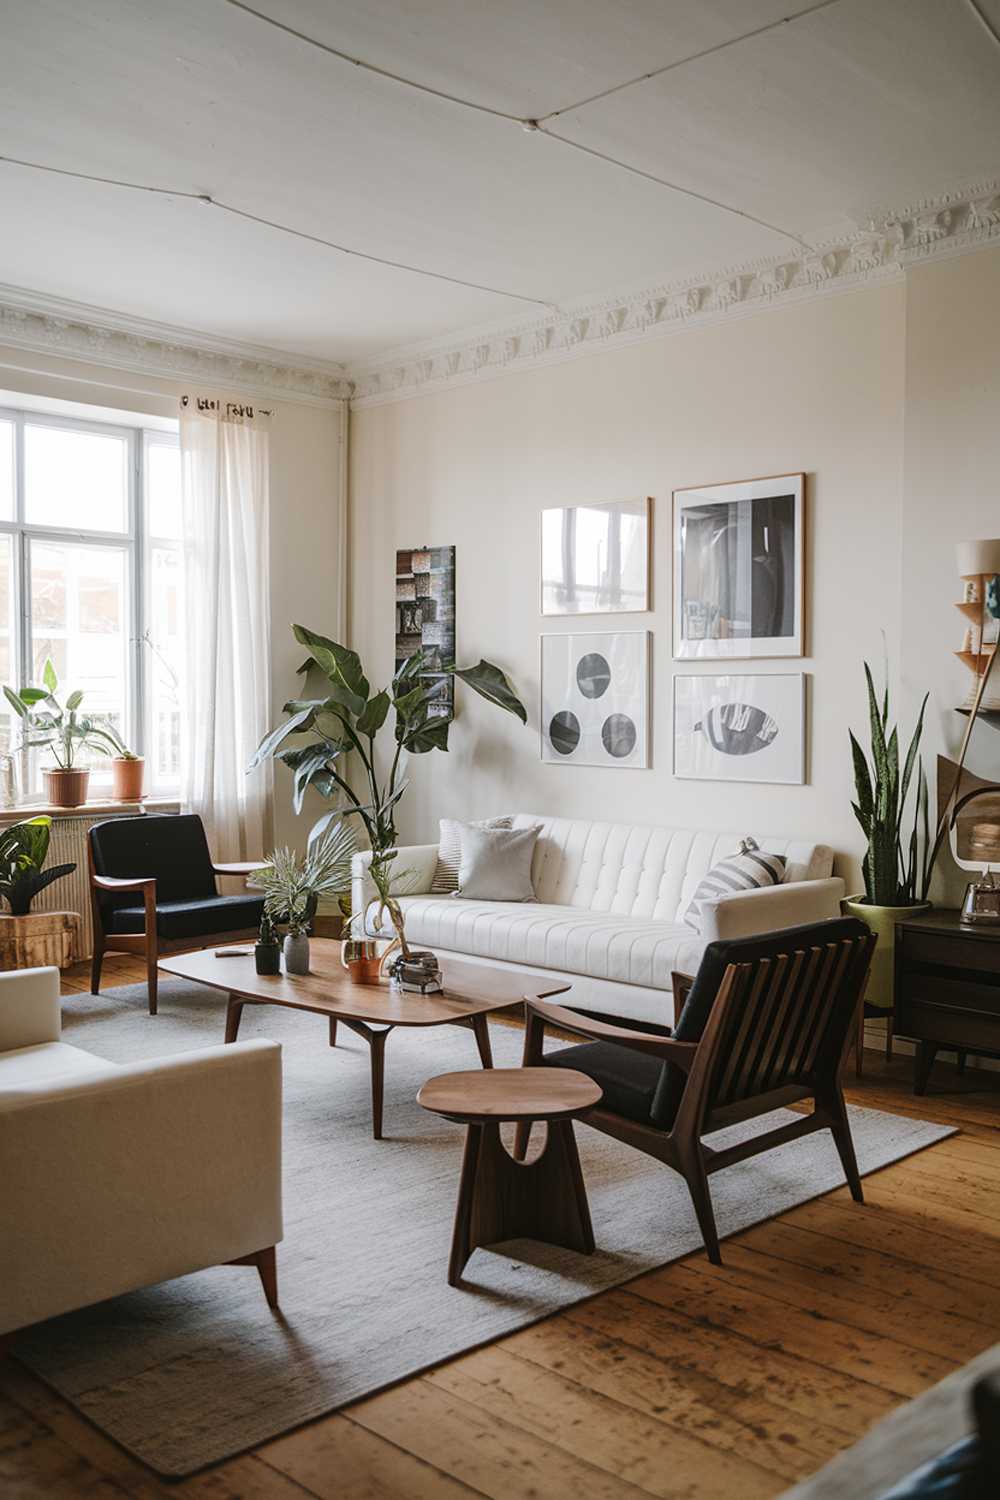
(450, 852)
(496, 863)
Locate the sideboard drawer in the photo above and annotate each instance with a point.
(954, 950)
(950, 993)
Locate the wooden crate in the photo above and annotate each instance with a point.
(40, 938)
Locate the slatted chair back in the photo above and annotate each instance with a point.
(782, 1023)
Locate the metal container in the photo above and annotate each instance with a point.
(360, 957)
(981, 907)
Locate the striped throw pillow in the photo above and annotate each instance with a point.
(748, 870)
(445, 882)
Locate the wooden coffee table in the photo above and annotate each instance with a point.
(471, 991)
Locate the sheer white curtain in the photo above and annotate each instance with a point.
(227, 709)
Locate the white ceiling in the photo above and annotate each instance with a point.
(808, 126)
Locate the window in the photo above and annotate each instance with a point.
(91, 575)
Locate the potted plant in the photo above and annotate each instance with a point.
(61, 728)
(293, 887)
(349, 718)
(900, 853)
(31, 938)
(267, 952)
(127, 772)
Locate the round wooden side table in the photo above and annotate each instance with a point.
(503, 1199)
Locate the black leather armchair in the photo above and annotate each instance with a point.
(153, 891)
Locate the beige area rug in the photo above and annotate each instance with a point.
(192, 1371)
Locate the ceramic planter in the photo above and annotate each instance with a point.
(126, 778)
(296, 951)
(66, 788)
(882, 921)
(267, 958)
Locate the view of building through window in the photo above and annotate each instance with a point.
(91, 575)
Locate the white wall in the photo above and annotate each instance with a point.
(817, 387)
(952, 489)
(306, 515)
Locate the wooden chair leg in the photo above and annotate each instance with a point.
(859, 1043)
(889, 1030)
(152, 972)
(961, 1056)
(96, 961)
(532, 1057)
(333, 1031)
(692, 1165)
(833, 1105)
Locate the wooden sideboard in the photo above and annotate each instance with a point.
(947, 988)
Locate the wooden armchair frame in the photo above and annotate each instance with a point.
(149, 943)
(779, 1032)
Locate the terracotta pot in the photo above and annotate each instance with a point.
(66, 788)
(126, 778)
(882, 921)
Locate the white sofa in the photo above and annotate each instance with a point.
(610, 899)
(117, 1177)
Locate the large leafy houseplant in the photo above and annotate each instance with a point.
(349, 718)
(24, 848)
(899, 857)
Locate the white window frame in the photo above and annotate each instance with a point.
(133, 543)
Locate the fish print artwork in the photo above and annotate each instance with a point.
(738, 728)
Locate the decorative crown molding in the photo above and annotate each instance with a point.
(880, 250)
(47, 325)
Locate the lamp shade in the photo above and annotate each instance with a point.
(979, 556)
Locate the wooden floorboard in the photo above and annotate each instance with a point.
(691, 1383)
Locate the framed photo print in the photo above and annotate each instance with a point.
(738, 569)
(595, 699)
(595, 558)
(425, 618)
(740, 728)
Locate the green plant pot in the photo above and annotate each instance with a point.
(882, 921)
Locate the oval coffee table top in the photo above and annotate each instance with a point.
(510, 1094)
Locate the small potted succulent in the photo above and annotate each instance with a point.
(63, 729)
(267, 953)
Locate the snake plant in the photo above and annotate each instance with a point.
(900, 855)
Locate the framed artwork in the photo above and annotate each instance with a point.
(425, 617)
(740, 728)
(738, 569)
(595, 558)
(595, 699)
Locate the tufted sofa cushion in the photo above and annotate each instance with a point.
(628, 950)
(636, 870)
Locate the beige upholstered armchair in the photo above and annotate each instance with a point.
(116, 1177)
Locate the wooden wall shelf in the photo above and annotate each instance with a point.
(984, 716)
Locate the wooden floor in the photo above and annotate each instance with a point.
(692, 1381)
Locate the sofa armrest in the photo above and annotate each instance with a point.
(413, 876)
(746, 913)
(29, 1008)
(122, 1181)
